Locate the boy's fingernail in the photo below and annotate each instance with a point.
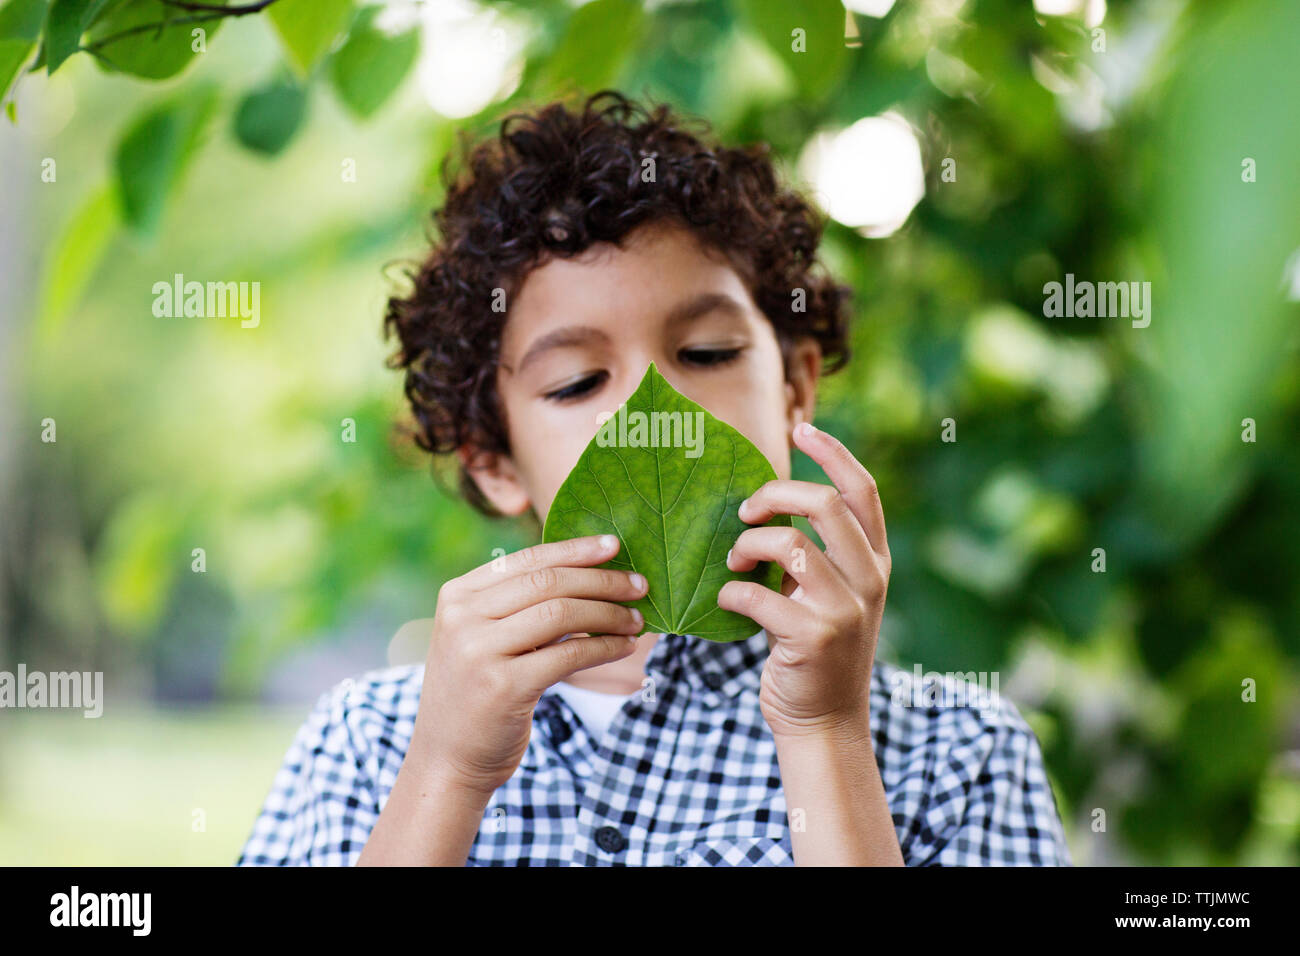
(638, 581)
(638, 617)
(607, 541)
(806, 428)
(729, 550)
(741, 509)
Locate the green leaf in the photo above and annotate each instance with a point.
(22, 19)
(20, 27)
(817, 57)
(154, 152)
(370, 66)
(75, 255)
(672, 503)
(308, 28)
(269, 116)
(13, 54)
(67, 20)
(155, 53)
(596, 42)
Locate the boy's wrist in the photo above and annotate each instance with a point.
(435, 780)
(428, 820)
(847, 728)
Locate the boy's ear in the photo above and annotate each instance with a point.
(496, 477)
(804, 367)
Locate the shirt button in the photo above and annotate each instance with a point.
(560, 731)
(610, 840)
(713, 680)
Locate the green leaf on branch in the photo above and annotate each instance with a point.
(371, 65)
(20, 28)
(132, 38)
(67, 21)
(808, 37)
(154, 152)
(308, 28)
(269, 116)
(671, 497)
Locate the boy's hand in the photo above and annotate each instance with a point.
(493, 653)
(826, 619)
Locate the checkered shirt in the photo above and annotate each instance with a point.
(685, 775)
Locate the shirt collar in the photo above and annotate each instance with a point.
(711, 668)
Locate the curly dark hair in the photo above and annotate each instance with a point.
(552, 183)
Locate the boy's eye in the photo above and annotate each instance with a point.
(699, 357)
(577, 389)
(709, 356)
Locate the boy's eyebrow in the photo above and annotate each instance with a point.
(560, 338)
(702, 304)
(681, 313)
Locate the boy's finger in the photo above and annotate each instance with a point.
(541, 624)
(573, 552)
(524, 590)
(850, 477)
(778, 614)
(792, 550)
(541, 669)
(826, 509)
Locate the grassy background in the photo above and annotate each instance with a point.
(123, 791)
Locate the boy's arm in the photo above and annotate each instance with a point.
(824, 623)
(494, 650)
(428, 820)
(833, 788)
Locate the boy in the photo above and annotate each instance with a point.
(616, 237)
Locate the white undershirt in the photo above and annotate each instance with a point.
(596, 709)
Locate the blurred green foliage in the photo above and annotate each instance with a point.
(1118, 161)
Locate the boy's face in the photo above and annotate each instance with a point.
(581, 332)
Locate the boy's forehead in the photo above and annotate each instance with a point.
(659, 268)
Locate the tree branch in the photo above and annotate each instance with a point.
(237, 11)
(206, 12)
